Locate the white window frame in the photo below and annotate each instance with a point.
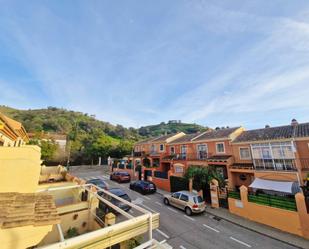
(246, 158)
(198, 151)
(220, 152)
(163, 147)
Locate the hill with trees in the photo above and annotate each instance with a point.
(88, 138)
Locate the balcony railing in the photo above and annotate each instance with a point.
(140, 153)
(201, 156)
(275, 164)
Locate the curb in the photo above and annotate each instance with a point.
(256, 231)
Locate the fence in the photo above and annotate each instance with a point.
(178, 183)
(234, 194)
(161, 174)
(274, 201)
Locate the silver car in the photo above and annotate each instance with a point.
(187, 201)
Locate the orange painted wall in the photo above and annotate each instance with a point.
(285, 220)
(236, 154)
(276, 175)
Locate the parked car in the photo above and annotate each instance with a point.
(120, 193)
(98, 182)
(120, 176)
(187, 201)
(144, 187)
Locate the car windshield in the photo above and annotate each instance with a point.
(124, 174)
(198, 199)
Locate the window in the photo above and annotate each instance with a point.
(161, 147)
(198, 199)
(244, 153)
(220, 147)
(172, 150)
(183, 150)
(273, 156)
(184, 197)
(176, 195)
(202, 151)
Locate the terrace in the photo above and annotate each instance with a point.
(83, 223)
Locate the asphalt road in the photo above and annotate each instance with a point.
(202, 231)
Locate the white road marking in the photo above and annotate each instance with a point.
(172, 210)
(158, 203)
(240, 242)
(148, 208)
(93, 177)
(182, 247)
(147, 197)
(162, 233)
(211, 228)
(105, 177)
(131, 212)
(189, 217)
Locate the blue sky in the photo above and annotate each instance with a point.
(135, 63)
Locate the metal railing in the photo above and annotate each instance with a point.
(199, 156)
(232, 193)
(160, 174)
(275, 164)
(282, 202)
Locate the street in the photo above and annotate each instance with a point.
(189, 232)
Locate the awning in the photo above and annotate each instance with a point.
(279, 186)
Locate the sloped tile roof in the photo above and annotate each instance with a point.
(275, 133)
(216, 134)
(185, 138)
(164, 137)
(19, 209)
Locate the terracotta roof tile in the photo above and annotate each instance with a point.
(216, 134)
(275, 133)
(27, 209)
(185, 138)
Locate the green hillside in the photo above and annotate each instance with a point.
(88, 137)
(169, 128)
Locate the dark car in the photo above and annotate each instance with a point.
(98, 182)
(120, 176)
(144, 187)
(120, 193)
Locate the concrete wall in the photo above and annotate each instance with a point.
(295, 222)
(23, 237)
(20, 168)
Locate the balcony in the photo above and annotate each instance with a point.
(140, 153)
(275, 164)
(202, 156)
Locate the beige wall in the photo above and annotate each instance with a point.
(22, 237)
(67, 221)
(20, 168)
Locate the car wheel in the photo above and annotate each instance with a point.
(166, 201)
(188, 211)
(111, 178)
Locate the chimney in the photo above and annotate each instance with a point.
(267, 126)
(294, 122)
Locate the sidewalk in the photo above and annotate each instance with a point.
(255, 227)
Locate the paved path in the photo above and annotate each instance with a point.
(194, 232)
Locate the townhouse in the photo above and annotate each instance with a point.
(273, 157)
(172, 155)
(12, 133)
(277, 154)
(208, 149)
